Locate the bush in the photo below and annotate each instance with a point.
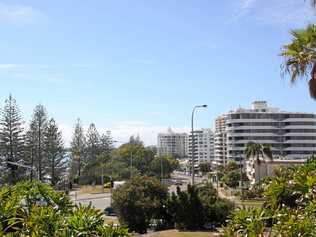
(289, 208)
(186, 209)
(139, 201)
(35, 209)
(198, 207)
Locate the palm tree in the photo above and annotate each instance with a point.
(256, 151)
(300, 56)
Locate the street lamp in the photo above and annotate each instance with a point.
(192, 139)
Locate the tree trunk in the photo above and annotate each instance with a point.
(312, 82)
(32, 163)
(258, 165)
(79, 167)
(53, 171)
(39, 151)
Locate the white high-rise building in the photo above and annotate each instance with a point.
(203, 146)
(172, 144)
(220, 146)
(291, 135)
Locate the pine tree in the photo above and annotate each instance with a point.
(135, 140)
(78, 145)
(93, 143)
(11, 138)
(30, 148)
(106, 142)
(36, 138)
(54, 150)
(92, 152)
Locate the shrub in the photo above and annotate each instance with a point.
(198, 207)
(138, 202)
(35, 209)
(289, 208)
(186, 209)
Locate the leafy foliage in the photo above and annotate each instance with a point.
(138, 201)
(11, 140)
(289, 209)
(300, 56)
(142, 160)
(205, 167)
(198, 206)
(35, 209)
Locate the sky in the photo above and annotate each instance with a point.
(139, 66)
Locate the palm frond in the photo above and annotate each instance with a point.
(300, 56)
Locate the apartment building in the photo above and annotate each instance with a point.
(173, 144)
(203, 146)
(220, 146)
(291, 135)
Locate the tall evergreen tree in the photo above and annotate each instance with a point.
(93, 143)
(91, 169)
(135, 140)
(54, 150)
(78, 145)
(36, 135)
(11, 138)
(106, 142)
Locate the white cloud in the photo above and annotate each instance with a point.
(20, 14)
(121, 131)
(246, 4)
(50, 78)
(9, 66)
(275, 12)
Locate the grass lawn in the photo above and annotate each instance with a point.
(249, 203)
(176, 233)
(93, 189)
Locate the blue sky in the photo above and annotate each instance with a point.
(140, 66)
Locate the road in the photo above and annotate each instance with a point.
(102, 200)
(98, 200)
(186, 179)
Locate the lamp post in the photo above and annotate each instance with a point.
(192, 139)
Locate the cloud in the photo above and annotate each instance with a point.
(246, 4)
(50, 78)
(275, 12)
(20, 14)
(9, 66)
(43, 73)
(243, 8)
(121, 131)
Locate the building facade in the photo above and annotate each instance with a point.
(172, 144)
(220, 145)
(203, 146)
(291, 135)
(257, 171)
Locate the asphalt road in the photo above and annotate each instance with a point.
(98, 200)
(102, 200)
